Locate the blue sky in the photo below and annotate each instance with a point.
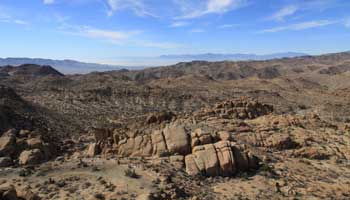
(105, 30)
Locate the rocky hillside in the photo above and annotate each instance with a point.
(276, 129)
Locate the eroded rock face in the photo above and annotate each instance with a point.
(177, 139)
(173, 139)
(7, 145)
(222, 158)
(203, 152)
(243, 108)
(31, 157)
(9, 192)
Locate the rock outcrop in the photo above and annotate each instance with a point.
(243, 108)
(222, 158)
(31, 157)
(201, 152)
(9, 192)
(28, 147)
(173, 139)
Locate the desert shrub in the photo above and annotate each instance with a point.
(131, 173)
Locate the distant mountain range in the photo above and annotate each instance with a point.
(64, 66)
(235, 57)
(72, 66)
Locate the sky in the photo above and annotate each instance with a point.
(106, 31)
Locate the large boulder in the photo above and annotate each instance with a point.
(222, 158)
(7, 145)
(158, 143)
(200, 137)
(93, 150)
(26, 194)
(226, 158)
(31, 157)
(8, 193)
(177, 140)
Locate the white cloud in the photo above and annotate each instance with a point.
(20, 22)
(5, 17)
(49, 1)
(301, 26)
(118, 37)
(226, 26)
(137, 6)
(179, 24)
(112, 36)
(194, 9)
(284, 12)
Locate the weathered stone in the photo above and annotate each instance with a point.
(226, 158)
(7, 145)
(35, 143)
(8, 193)
(280, 141)
(222, 158)
(191, 165)
(158, 143)
(31, 157)
(206, 159)
(177, 140)
(93, 150)
(224, 135)
(200, 137)
(27, 194)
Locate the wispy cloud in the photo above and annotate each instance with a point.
(49, 1)
(197, 30)
(117, 37)
(227, 26)
(179, 24)
(300, 26)
(302, 6)
(5, 17)
(137, 6)
(284, 12)
(112, 36)
(194, 9)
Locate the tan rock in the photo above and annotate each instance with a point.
(35, 143)
(27, 194)
(158, 143)
(191, 165)
(31, 157)
(7, 145)
(8, 193)
(177, 140)
(93, 150)
(226, 158)
(224, 136)
(200, 137)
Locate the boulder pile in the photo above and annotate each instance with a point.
(9, 192)
(23, 147)
(201, 152)
(242, 108)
